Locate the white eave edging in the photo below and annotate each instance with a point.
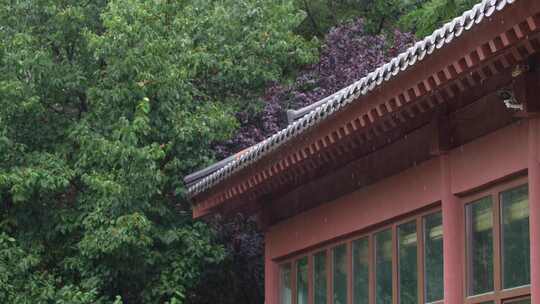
(345, 96)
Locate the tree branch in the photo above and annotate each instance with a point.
(312, 20)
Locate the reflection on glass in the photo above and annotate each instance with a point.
(383, 267)
(361, 271)
(319, 277)
(340, 274)
(285, 290)
(433, 255)
(302, 281)
(480, 246)
(522, 301)
(515, 237)
(408, 263)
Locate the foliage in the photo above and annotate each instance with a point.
(348, 53)
(241, 275)
(21, 283)
(350, 50)
(382, 15)
(433, 14)
(421, 17)
(378, 15)
(104, 106)
(322, 15)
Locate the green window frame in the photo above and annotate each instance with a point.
(497, 244)
(373, 267)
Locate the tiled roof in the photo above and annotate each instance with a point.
(319, 111)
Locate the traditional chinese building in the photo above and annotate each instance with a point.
(419, 183)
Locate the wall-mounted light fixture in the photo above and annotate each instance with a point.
(510, 101)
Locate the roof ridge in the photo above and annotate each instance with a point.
(346, 95)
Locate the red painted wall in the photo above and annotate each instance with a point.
(473, 165)
(476, 164)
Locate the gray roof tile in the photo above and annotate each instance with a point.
(321, 110)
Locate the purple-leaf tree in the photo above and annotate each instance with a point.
(348, 53)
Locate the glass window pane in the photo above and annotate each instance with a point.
(319, 277)
(515, 237)
(340, 274)
(408, 263)
(521, 301)
(480, 246)
(383, 267)
(285, 288)
(433, 257)
(302, 281)
(361, 271)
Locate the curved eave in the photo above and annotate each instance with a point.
(499, 22)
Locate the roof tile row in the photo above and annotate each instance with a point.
(345, 96)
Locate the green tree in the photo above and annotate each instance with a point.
(104, 106)
(378, 15)
(322, 15)
(432, 14)
(417, 16)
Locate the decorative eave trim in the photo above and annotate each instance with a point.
(367, 84)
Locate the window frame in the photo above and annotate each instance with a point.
(296, 278)
(498, 295)
(514, 300)
(422, 261)
(311, 273)
(395, 257)
(369, 233)
(292, 280)
(348, 268)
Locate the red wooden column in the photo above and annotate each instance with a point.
(453, 229)
(534, 206)
(526, 88)
(271, 276)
